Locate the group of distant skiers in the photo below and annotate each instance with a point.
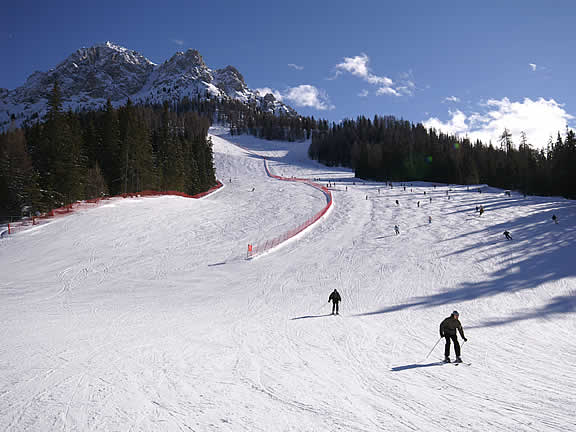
(450, 326)
(479, 209)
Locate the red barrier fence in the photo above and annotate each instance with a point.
(257, 249)
(67, 209)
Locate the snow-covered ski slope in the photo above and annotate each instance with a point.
(143, 314)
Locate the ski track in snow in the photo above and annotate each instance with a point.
(144, 315)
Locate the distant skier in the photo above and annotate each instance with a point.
(418, 203)
(335, 299)
(396, 229)
(507, 235)
(481, 210)
(429, 219)
(430, 199)
(253, 189)
(397, 203)
(448, 329)
(555, 219)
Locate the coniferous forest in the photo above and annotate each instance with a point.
(82, 155)
(386, 148)
(75, 156)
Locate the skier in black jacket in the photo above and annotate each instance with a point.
(335, 299)
(448, 329)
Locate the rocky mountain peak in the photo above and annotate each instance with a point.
(191, 58)
(108, 52)
(103, 71)
(229, 79)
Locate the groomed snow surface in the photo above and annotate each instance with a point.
(144, 315)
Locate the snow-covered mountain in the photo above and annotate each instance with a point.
(92, 75)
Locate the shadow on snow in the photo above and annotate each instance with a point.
(541, 252)
(415, 366)
(310, 316)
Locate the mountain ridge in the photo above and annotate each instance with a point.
(90, 76)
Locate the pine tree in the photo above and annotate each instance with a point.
(111, 158)
(19, 189)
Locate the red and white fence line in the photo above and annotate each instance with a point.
(25, 223)
(258, 249)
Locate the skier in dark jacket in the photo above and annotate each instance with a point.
(335, 299)
(507, 235)
(448, 329)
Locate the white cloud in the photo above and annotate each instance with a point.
(308, 96)
(178, 42)
(303, 95)
(265, 90)
(539, 119)
(387, 91)
(336, 75)
(532, 66)
(363, 93)
(407, 89)
(358, 66)
(295, 66)
(451, 99)
(455, 126)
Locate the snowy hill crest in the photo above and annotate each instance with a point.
(90, 76)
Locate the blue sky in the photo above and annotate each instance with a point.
(467, 69)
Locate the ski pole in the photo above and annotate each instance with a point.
(321, 307)
(433, 348)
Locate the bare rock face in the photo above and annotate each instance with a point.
(90, 76)
(182, 68)
(102, 71)
(230, 80)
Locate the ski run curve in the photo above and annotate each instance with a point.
(144, 315)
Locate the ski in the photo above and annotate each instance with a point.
(455, 364)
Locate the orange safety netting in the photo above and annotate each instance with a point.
(256, 249)
(67, 209)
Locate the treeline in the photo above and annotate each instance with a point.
(386, 148)
(270, 126)
(248, 118)
(75, 156)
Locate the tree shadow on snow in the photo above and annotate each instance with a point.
(541, 252)
(558, 305)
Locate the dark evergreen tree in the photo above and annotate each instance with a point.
(19, 188)
(386, 148)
